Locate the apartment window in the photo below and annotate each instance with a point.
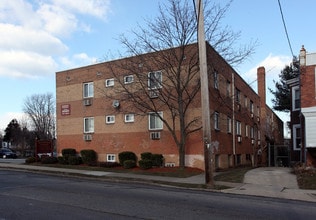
(238, 127)
(88, 125)
(129, 118)
(110, 158)
(247, 130)
(252, 132)
(128, 79)
(251, 107)
(246, 102)
(110, 119)
(88, 90)
(229, 125)
(109, 82)
(215, 80)
(228, 89)
(296, 137)
(238, 95)
(155, 80)
(296, 102)
(216, 121)
(155, 122)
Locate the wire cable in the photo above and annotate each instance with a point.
(287, 35)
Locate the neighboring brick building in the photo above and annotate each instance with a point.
(87, 118)
(303, 111)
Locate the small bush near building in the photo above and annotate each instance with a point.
(109, 164)
(62, 160)
(88, 156)
(67, 152)
(30, 160)
(127, 155)
(145, 164)
(146, 156)
(49, 160)
(157, 160)
(128, 164)
(74, 160)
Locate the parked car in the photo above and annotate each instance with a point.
(7, 153)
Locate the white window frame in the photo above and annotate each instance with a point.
(295, 127)
(229, 125)
(247, 130)
(157, 120)
(110, 119)
(110, 158)
(228, 88)
(216, 121)
(216, 86)
(252, 132)
(88, 125)
(157, 82)
(109, 82)
(88, 91)
(238, 128)
(238, 99)
(128, 79)
(129, 118)
(251, 106)
(246, 102)
(294, 89)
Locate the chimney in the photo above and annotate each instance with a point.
(261, 75)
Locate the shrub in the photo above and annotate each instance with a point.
(88, 156)
(145, 164)
(127, 155)
(128, 164)
(109, 164)
(30, 160)
(49, 160)
(62, 160)
(157, 160)
(68, 152)
(146, 156)
(74, 160)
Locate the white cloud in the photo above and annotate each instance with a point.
(9, 116)
(97, 8)
(31, 35)
(273, 65)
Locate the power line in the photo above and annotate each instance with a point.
(287, 35)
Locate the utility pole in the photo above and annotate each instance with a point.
(205, 101)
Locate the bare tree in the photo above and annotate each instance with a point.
(174, 89)
(40, 108)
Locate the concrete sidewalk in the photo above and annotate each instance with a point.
(276, 182)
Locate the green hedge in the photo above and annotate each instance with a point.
(62, 160)
(146, 156)
(127, 155)
(88, 156)
(145, 164)
(74, 160)
(157, 160)
(67, 152)
(49, 160)
(128, 164)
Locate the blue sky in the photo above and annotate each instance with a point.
(39, 38)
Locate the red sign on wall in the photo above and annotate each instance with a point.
(65, 109)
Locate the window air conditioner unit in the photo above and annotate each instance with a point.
(259, 143)
(239, 139)
(87, 137)
(238, 106)
(251, 115)
(153, 93)
(116, 104)
(252, 141)
(87, 102)
(155, 135)
(258, 119)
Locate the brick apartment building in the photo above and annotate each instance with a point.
(92, 112)
(303, 110)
